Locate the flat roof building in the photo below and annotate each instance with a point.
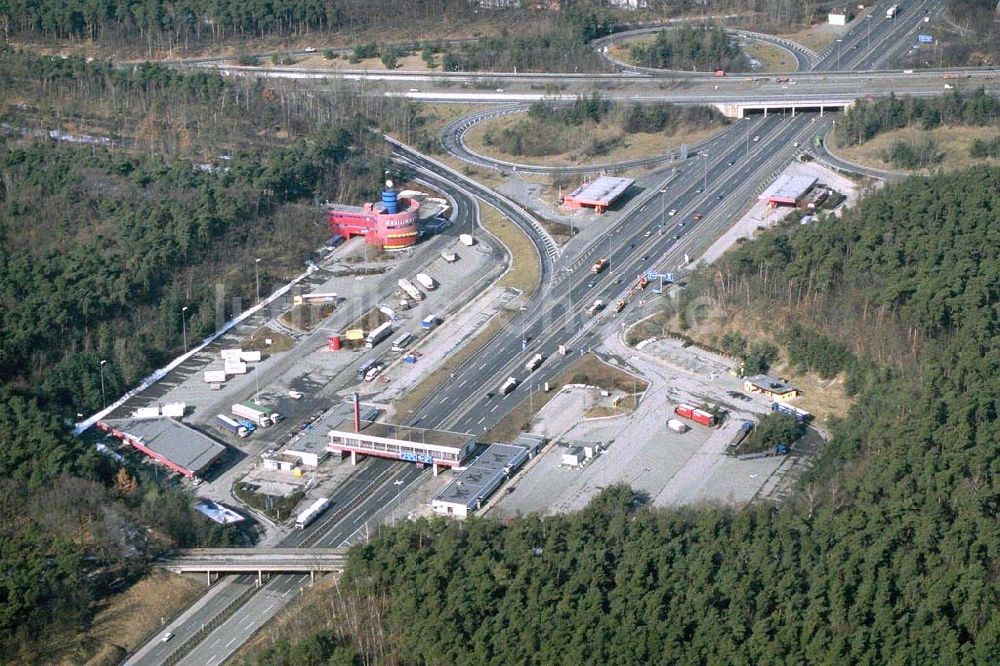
(218, 513)
(770, 387)
(168, 441)
(439, 448)
(476, 483)
(787, 190)
(599, 194)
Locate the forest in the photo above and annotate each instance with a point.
(692, 48)
(887, 553)
(102, 243)
(869, 118)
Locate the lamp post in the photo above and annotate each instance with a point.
(704, 156)
(839, 49)
(868, 21)
(747, 118)
(104, 400)
(399, 486)
(256, 277)
(184, 332)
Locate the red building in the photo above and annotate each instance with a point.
(390, 224)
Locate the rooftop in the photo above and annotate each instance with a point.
(770, 384)
(602, 191)
(181, 445)
(220, 514)
(478, 480)
(788, 188)
(405, 433)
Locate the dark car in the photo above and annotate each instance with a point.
(489, 394)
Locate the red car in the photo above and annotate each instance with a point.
(697, 216)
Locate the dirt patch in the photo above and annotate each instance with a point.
(369, 320)
(622, 146)
(624, 406)
(954, 142)
(308, 316)
(588, 369)
(257, 341)
(816, 37)
(124, 621)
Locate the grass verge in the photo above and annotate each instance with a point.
(525, 269)
(588, 369)
(954, 142)
(275, 507)
(770, 57)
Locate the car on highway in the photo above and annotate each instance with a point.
(677, 237)
(699, 190)
(672, 212)
(731, 162)
(294, 395)
(591, 284)
(756, 138)
(647, 234)
(644, 257)
(719, 196)
(489, 394)
(310, 49)
(697, 216)
(166, 637)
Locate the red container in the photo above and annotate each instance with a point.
(335, 343)
(697, 415)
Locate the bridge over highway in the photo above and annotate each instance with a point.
(256, 560)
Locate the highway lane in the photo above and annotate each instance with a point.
(636, 244)
(875, 41)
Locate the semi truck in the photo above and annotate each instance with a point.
(509, 385)
(427, 281)
(466, 239)
(449, 256)
(533, 362)
(891, 12)
(215, 376)
(599, 265)
(231, 426)
(378, 334)
(801, 415)
(699, 416)
(366, 366)
(248, 424)
(596, 307)
(410, 289)
(317, 297)
(429, 322)
(619, 305)
(312, 513)
(259, 414)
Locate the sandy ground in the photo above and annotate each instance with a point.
(758, 215)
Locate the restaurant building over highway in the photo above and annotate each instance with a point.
(438, 448)
(390, 224)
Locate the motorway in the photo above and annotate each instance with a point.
(718, 185)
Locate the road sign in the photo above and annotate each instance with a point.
(925, 39)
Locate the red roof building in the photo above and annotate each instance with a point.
(390, 224)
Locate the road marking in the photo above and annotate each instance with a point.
(480, 420)
(233, 640)
(268, 608)
(464, 382)
(359, 518)
(213, 658)
(494, 408)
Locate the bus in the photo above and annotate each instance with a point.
(400, 343)
(366, 366)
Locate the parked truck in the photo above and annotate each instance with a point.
(410, 289)
(231, 426)
(509, 385)
(534, 362)
(215, 376)
(311, 513)
(427, 281)
(801, 415)
(677, 425)
(466, 239)
(248, 424)
(378, 334)
(599, 265)
(260, 414)
(699, 416)
(429, 322)
(449, 256)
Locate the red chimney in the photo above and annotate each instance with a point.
(357, 412)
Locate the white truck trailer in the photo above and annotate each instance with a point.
(312, 513)
(260, 414)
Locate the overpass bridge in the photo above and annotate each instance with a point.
(255, 560)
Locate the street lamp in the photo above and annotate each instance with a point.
(747, 118)
(399, 487)
(184, 332)
(104, 400)
(839, 49)
(868, 21)
(705, 162)
(256, 277)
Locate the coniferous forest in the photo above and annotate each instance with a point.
(889, 553)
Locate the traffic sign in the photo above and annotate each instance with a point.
(925, 39)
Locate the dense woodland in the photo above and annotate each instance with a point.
(692, 48)
(888, 553)
(101, 245)
(869, 118)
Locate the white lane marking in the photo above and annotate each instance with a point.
(483, 365)
(268, 608)
(480, 420)
(233, 640)
(464, 382)
(494, 408)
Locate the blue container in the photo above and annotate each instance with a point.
(390, 202)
